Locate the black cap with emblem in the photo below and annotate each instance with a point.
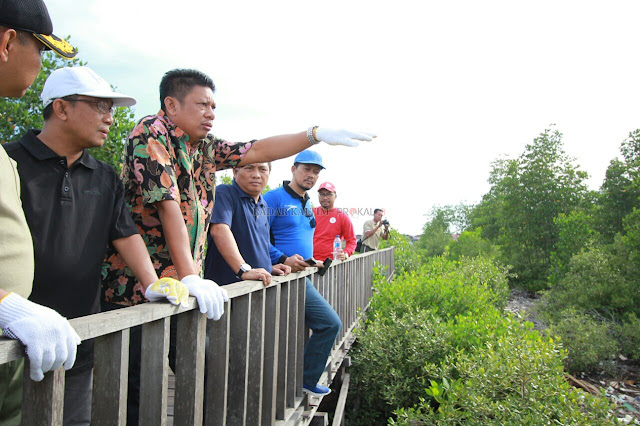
(32, 16)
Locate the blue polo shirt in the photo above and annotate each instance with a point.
(292, 222)
(249, 223)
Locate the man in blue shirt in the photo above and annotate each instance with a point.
(292, 225)
(238, 241)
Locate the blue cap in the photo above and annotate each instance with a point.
(309, 157)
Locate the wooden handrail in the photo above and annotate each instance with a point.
(254, 356)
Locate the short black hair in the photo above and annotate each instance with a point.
(48, 110)
(21, 36)
(268, 163)
(376, 211)
(178, 83)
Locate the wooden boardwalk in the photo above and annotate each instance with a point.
(256, 352)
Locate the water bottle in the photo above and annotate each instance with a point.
(337, 247)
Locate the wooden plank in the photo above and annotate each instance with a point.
(154, 369)
(218, 369)
(300, 335)
(256, 358)
(270, 360)
(238, 356)
(292, 346)
(189, 375)
(285, 302)
(43, 401)
(338, 416)
(110, 379)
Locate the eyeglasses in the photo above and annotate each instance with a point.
(104, 106)
(309, 214)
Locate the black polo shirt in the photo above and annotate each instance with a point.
(73, 214)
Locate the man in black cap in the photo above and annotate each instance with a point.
(25, 31)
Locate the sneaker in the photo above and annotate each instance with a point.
(316, 390)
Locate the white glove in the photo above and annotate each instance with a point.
(342, 137)
(49, 338)
(168, 288)
(210, 296)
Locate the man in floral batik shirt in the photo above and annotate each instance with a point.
(169, 178)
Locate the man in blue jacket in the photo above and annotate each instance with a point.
(292, 224)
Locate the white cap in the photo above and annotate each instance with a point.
(80, 81)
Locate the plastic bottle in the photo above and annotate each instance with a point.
(337, 247)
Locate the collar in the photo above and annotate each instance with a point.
(294, 194)
(243, 194)
(40, 151)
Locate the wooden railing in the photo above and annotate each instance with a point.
(254, 356)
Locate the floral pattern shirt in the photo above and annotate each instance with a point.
(161, 164)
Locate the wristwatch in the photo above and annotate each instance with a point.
(245, 267)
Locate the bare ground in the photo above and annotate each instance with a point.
(621, 387)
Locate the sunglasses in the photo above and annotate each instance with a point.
(309, 214)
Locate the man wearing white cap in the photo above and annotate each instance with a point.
(74, 206)
(331, 222)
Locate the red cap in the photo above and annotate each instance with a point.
(328, 186)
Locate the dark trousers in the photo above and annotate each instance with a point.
(135, 358)
(366, 248)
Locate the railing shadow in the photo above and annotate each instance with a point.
(254, 357)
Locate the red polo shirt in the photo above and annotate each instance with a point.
(330, 223)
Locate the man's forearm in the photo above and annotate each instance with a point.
(276, 147)
(175, 234)
(226, 245)
(134, 253)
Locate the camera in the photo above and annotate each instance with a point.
(385, 222)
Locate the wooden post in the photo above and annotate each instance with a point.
(45, 398)
(154, 373)
(188, 409)
(110, 379)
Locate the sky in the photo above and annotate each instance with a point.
(448, 87)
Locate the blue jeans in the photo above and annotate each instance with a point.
(320, 317)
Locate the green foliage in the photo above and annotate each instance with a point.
(592, 284)
(627, 334)
(587, 341)
(406, 258)
(575, 233)
(471, 244)
(527, 194)
(436, 232)
(517, 378)
(437, 348)
(445, 287)
(20, 115)
(396, 374)
(620, 191)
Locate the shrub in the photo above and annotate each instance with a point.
(593, 284)
(406, 258)
(471, 244)
(515, 379)
(589, 345)
(393, 363)
(627, 334)
(445, 287)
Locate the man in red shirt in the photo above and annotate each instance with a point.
(329, 223)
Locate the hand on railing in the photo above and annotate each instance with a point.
(281, 269)
(168, 288)
(296, 263)
(210, 296)
(49, 338)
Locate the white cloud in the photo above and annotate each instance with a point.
(448, 86)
